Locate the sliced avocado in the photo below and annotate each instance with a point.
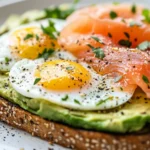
(132, 116)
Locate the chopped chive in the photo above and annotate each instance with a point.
(65, 98)
(103, 101)
(37, 80)
(77, 102)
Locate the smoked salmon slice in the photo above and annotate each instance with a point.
(107, 38)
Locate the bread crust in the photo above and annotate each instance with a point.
(67, 136)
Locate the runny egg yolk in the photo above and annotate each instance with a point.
(30, 42)
(62, 75)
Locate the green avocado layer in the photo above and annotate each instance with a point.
(132, 116)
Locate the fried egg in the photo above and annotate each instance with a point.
(26, 41)
(67, 83)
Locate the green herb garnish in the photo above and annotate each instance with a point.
(65, 98)
(7, 60)
(145, 79)
(99, 53)
(28, 36)
(133, 9)
(103, 101)
(113, 14)
(146, 15)
(144, 45)
(46, 53)
(77, 102)
(97, 39)
(127, 34)
(37, 37)
(37, 80)
(50, 30)
(57, 12)
(69, 68)
(126, 43)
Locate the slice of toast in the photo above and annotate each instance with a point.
(67, 136)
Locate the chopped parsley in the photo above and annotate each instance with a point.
(146, 15)
(58, 12)
(144, 45)
(145, 79)
(127, 34)
(77, 102)
(97, 39)
(125, 43)
(28, 36)
(133, 9)
(103, 101)
(50, 30)
(118, 78)
(113, 14)
(37, 80)
(69, 68)
(37, 37)
(46, 53)
(99, 53)
(7, 60)
(65, 98)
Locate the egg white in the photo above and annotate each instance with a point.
(5, 52)
(90, 97)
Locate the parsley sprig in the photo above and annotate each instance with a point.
(146, 15)
(46, 53)
(113, 15)
(50, 29)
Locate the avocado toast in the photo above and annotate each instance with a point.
(126, 124)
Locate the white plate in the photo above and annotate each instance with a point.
(14, 139)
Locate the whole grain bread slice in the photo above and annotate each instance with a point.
(67, 136)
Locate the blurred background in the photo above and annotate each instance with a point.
(8, 7)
